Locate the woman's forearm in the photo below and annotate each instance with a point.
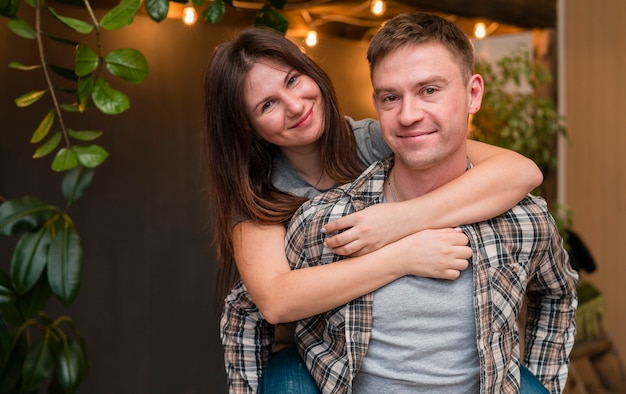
(282, 294)
(498, 180)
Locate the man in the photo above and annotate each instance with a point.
(427, 335)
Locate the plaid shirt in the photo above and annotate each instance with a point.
(334, 344)
(515, 255)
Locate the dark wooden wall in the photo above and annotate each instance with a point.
(147, 305)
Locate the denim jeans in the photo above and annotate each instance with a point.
(287, 374)
(530, 384)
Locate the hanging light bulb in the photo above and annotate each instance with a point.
(189, 14)
(480, 30)
(311, 38)
(378, 7)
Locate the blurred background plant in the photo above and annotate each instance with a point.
(47, 260)
(518, 114)
(48, 256)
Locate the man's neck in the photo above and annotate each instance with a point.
(407, 183)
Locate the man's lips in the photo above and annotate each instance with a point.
(415, 134)
(305, 120)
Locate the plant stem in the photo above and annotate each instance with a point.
(44, 66)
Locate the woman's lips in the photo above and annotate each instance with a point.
(305, 120)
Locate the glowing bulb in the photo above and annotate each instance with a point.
(480, 30)
(311, 38)
(189, 15)
(378, 7)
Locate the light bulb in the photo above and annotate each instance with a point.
(189, 15)
(311, 38)
(480, 30)
(378, 7)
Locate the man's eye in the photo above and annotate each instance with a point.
(388, 99)
(430, 91)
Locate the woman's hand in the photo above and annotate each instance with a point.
(440, 254)
(367, 230)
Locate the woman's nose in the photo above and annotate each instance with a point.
(293, 104)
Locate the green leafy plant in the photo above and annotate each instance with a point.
(48, 257)
(513, 114)
(516, 115)
(267, 15)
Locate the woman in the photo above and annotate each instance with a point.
(276, 137)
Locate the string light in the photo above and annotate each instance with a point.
(378, 7)
(189, 15)
(481, 30)
(311, 38)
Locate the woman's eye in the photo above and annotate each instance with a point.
(292, 80)
(267, 106)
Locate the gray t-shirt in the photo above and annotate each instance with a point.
(371, 147)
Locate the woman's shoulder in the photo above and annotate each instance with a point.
(370, 143)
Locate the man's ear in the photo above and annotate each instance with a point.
(476, 88)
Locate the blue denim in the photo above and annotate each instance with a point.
(529, 383)
(286, 374)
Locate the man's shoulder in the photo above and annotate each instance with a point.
(342, 200)
(531, 205)
(530, 217)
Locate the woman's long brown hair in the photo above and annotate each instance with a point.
(240, 163)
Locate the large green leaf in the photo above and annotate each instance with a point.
(44, 127)
(214, 12)
(24, 214)
(268, 16)
(48, 146)
(38, 364)
(72, 23)
(109, 100)
(29, 98)
(64, 160)
(90, 156)
(29, 259)
(22, 28)
(86, 60)
(121, 15)
(11, 373)
(76, 181)
(7, 295)
(9, 9)
(31, 303)
(157, 9)
(128, 64)
(70, 363)
(65, 263)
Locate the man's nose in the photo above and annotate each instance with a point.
(411, 111)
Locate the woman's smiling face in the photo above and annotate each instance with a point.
(284, 106)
